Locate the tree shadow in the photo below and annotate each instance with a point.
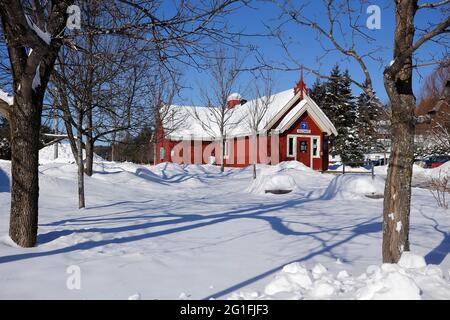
(356, 230)
(195, 221)
(4, 182)
(440, 252)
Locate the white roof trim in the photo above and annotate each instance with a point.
(321, 115)
(307, 105)
(283, 110)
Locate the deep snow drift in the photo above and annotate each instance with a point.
(47, 154)
(410, 279)
(190, 232)
(354, 186)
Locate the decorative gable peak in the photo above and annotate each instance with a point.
(301, 86)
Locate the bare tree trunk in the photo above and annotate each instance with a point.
(398, 84)
(154, 153)
(254, 156)
(222, 164)
(25, 126)
(89, 155)
(55, 124)
(81, 198)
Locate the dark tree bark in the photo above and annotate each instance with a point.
(81, 197)
(25, 114)
(398, 78)
(398, 83)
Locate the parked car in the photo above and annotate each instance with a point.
(434, 161)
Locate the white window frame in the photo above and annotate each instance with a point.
(311, 137)
(318, 147)
(226, 152)
(294, 146)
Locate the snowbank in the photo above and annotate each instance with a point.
(339, 168)
(282, 176)
(46, 155)
(410, 279)
(262, 183)
(353, 186)
(440, 172)
(382, 170)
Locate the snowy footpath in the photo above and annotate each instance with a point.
(191, 232)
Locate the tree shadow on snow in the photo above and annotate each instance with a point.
(4, 182)
(437, 254)
(196, 221)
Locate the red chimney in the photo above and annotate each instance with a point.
(233, 100)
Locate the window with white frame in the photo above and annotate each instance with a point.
(226, 151)
(162, 153)
(291, 147)
(315, 147)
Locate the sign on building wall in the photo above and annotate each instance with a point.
(304, 127)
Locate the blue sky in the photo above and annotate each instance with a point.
(306, 49)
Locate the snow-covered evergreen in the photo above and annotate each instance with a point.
(368, 112)
(337, 101)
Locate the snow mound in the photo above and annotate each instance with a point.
(410, 279)
(283, 167)
(382, 170)
(287, 175)
(349, 169)
(440, 172)
(168, 169)
(46, 155)
(279, 181)
(354, 186)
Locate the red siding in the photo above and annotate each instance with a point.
(197, 150)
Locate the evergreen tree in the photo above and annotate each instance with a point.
(318, 91)
(349, 143)
(368, 112)
(340, 107)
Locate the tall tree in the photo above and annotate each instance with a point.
(343, 33)
(318, 92)
(368, 115)
(34, 32)
(33, 37)
(339, 105)
(218, 120)
(257, 110)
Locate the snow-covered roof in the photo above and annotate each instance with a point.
(237, 124)
(234, 96)
(309, 105)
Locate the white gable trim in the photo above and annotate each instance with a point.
(321, 115)
(314, 111)
(281, 113)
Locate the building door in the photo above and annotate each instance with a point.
(304, 151)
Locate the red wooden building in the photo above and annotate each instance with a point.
(293, 128)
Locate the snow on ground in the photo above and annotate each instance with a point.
(340, 168)
(47, 155)
(191, 232)
(289, 175)
(410, 279)
(353, 186)
(440, 172)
